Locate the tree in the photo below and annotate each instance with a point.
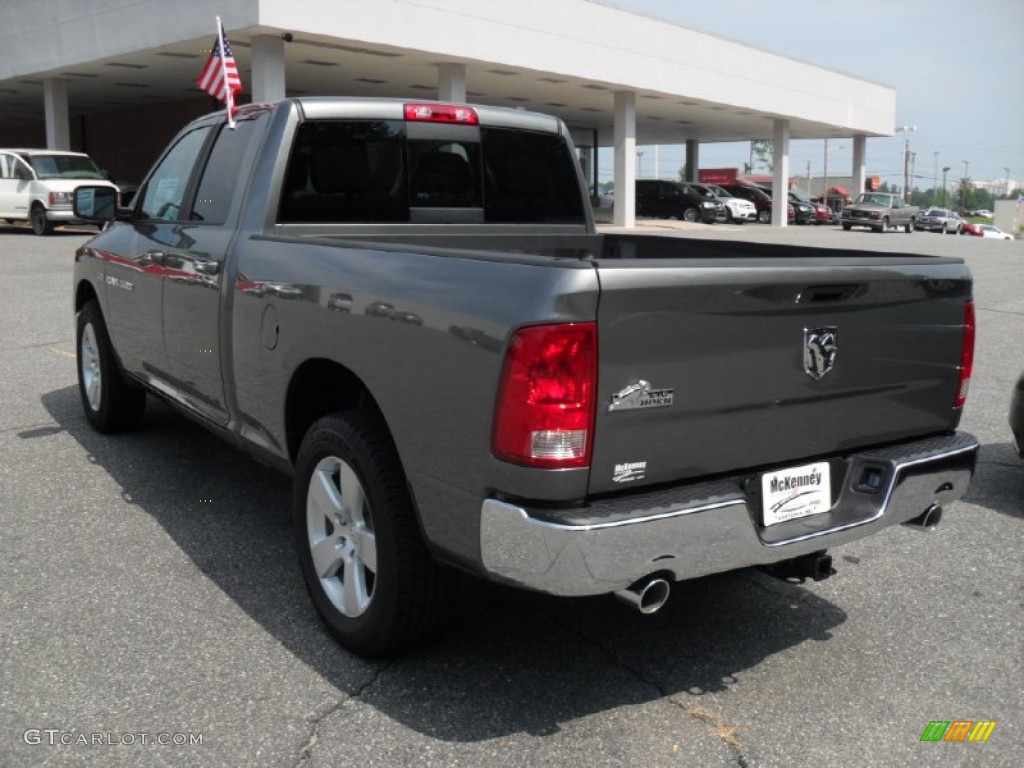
(682, 172)
(763, 152)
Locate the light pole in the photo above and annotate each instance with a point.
(1007, 171)
(639, 165)
(945, 170)
(935, 178)
(963, 185)
(906, 130)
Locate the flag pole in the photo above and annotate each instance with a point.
(230, 94)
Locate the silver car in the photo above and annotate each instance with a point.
(940, 220)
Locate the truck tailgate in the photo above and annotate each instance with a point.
(712, 365)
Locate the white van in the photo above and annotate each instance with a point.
(36, 185)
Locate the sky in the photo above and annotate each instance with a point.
(957, 67)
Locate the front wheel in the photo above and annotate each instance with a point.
(364, 562)
(40, 224)
(908, 227)
(111, 403)
(847, 227)
(690, 214)
(765, 217)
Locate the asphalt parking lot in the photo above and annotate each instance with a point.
(149, 593)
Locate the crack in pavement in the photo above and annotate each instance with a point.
(725, 733)
(306, 753)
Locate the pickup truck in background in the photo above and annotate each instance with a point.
(407, 307)
(36, 185)
(880, 211)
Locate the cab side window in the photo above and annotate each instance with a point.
(165, 190)
(220, 176)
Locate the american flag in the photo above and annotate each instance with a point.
(220, 77)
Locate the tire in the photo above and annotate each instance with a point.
(884, 225)
(908, 227)
(110, 402)
(690, 214)
(847, 227)
(40, 224)
(765, 217)
(361, 554)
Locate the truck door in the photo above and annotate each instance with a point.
(194, 272)
(134, 261)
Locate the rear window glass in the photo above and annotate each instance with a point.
(351, 171)
(529, 177)
(370, 172)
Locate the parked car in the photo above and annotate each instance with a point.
(36, 185)
(940, 220)
(818, 214)
(994, 232)
(762, 201)
(983, 212)
(675, 199)
(739, 210)
(1017, 415)
(970, 228)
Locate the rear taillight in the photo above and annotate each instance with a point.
(441, 113)
(966, 356)
(545, 410)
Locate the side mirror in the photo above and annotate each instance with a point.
(95, 203)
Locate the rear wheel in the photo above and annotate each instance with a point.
(110, 402)
(40, 224)
(909, 227)
(364, 562)
(847, 227)
(765, 217)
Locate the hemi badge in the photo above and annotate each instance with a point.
(640, 395)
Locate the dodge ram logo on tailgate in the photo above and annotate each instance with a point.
(821, 345)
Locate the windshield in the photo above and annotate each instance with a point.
(798, 195)
(882, 200)
(63, 167)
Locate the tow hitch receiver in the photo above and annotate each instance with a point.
(816, 566)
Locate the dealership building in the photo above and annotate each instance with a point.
(116, 78)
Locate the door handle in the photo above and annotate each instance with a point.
(206, 266)
(152, 257)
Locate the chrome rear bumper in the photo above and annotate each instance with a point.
(711, 527)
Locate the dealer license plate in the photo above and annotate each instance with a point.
(796, 492)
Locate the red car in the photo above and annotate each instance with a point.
(969, 228)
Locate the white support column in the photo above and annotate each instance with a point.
(55, 103)
(780, 180)
(692, 160)
(451, 83)
(624, 211)
(859, 173)
(268, 68)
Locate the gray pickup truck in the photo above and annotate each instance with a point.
(407, 307)
(880, 211)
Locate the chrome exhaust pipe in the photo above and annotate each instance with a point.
(647, 595)
(928, 519)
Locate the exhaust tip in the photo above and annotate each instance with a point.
(928, 519)
(646, 596)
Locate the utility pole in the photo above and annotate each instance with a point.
(1007, 172)
(935, 178)
(945, 170)
(906, 130)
